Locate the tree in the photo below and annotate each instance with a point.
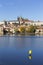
(5, 22)
(32, 29)
(16, 31)
(22, 29)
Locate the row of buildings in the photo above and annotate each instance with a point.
(20, 21)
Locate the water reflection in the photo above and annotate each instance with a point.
(30, 57)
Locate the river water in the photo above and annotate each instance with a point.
(14, 50)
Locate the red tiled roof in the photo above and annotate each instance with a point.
(25, 20)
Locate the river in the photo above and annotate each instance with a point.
(14, 50)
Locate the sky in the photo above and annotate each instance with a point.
(31, 9)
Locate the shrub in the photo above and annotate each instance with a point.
(22, 29)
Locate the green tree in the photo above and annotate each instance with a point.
(16, 31)
(32, 29)
(5, 22)
(22, 29)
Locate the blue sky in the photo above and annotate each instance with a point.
(11, 9)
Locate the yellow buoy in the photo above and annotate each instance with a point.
(30, 51)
